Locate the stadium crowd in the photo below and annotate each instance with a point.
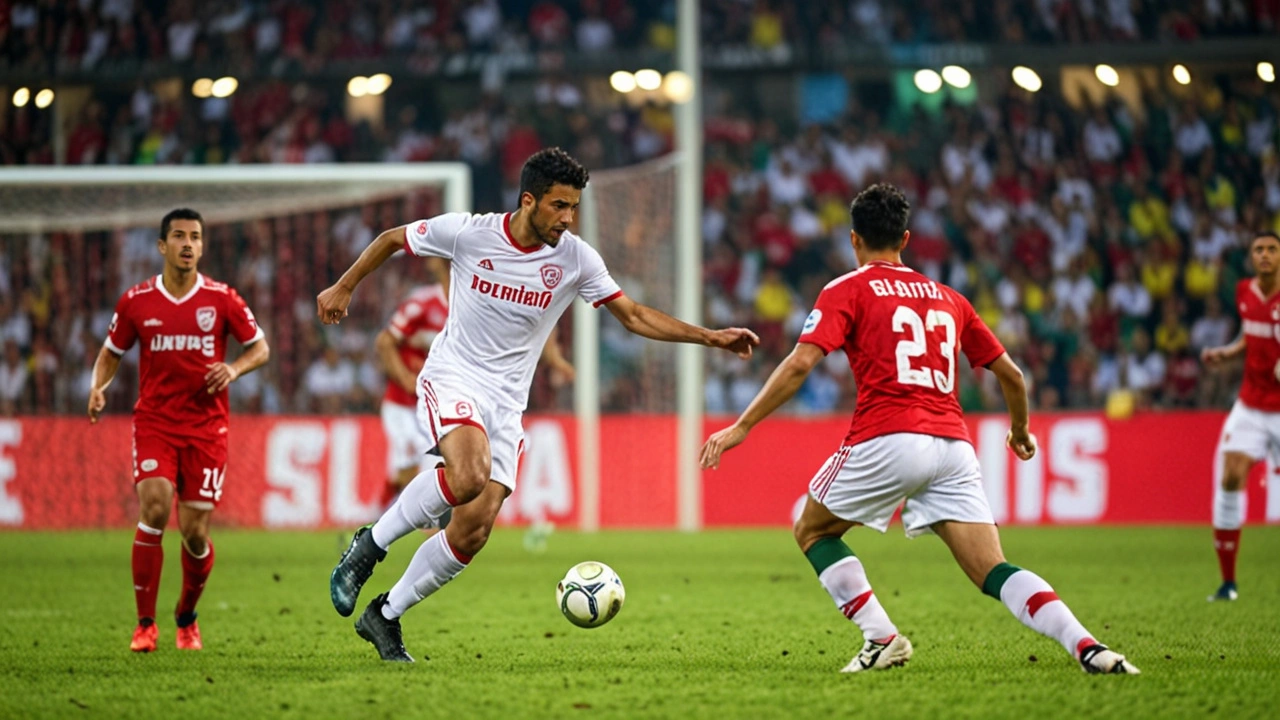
(1101, 242)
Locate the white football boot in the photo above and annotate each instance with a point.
(881, 655)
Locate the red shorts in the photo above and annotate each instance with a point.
(196, 466)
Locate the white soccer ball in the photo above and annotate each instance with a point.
(590, 594)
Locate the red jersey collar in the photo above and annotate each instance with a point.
(506, 229)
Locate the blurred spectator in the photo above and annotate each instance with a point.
(330, 383)
(13, 381)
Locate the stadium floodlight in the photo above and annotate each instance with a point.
(358, 86)
(378, 84)
(44, 98)
(1107, 75)
(202, 88)
(928, 81)
(224, 87)
(21, 97)
(648, 79)
(677, 86)
(956, 76)
(1181, 74)
(1267, 71)
(1027, 79)
(622, 81)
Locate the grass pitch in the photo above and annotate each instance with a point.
(723, 624)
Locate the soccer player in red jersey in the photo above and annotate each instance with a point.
(181, 320)
(903, 334)
(1253, 426)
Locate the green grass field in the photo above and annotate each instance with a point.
(724, 624)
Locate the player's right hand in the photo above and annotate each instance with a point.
(97, 401)
(1213, 355)
(718, 443)
(331, 305)
(736, 340)
(1022, 443)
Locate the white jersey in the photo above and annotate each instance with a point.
(504, 299)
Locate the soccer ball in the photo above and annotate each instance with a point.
(590, 594)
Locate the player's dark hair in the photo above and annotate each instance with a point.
(1264, 234)
(179, 214)
(879, 215)
(551, 166)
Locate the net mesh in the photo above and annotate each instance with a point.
(635, 216)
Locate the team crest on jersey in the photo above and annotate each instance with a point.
(205, 318)
(551, 276)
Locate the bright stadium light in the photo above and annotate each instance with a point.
(1027, 79)
(44, 98)
(956, 76)
(648, 79)
(223, 87)
(677, 86)
(202, 88)
(378, 84)
(1107, 75)
(1181, 74)
(622, 81)
(1267, 71)
(358, 86)
(21, 97)
(928, 81)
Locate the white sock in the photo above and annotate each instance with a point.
(1228, 509)
(433, 565)
(846, 582)
(424, 499)
(1037, 606)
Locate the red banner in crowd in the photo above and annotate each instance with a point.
(305, 472)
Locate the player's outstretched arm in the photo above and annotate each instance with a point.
(331, 304)
(1020, 439)
(1216, 355)
(104, 371)
(221, 375)
(781, 386)
(388, 354)
(657, 325)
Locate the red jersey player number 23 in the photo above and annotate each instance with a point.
(903, 334)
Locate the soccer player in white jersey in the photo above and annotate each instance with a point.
(1253, 427)
(513, 276)
(903, 335)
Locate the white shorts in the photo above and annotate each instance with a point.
(1249, 431)
(939, 478)
(407, 442)
(445, 404)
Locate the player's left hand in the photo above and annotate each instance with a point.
(1021, 442)
(220, 375)
(736, 340)
(718, 443)
(331, 305)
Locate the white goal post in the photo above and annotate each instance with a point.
(83, 198)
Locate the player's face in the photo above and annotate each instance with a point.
(1265, 253)
(553, 214)
(184, 244)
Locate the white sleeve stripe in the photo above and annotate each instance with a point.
(112, 347)
(256, 337)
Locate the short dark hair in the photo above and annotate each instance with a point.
(551, 166)
(1264, 234)
(879, 215)
(179, 214)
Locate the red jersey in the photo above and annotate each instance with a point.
(180, 337)
(415, 325)
(903, 334)
(1260, 323)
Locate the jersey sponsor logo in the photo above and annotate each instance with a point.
(205, 317)
(149, 465)
(152, 322)
(509, 293)
(182, 343)
(898, 288)
(551, 276)
(487, 264)
(811, 322)
(1259, 329)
